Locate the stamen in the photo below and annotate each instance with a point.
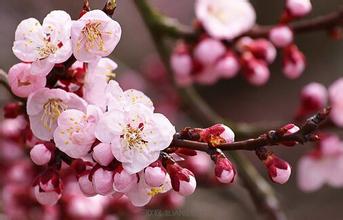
(133, 137)
(51, 111)
(155, 191)
(92, 35)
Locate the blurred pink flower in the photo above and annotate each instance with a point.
(293, 62)
(298, 8)
(323, 165)
(336, 101)
(94, 35)
(225, 19)
(281, 36)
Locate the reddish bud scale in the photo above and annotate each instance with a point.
(223, 164)
(212, 134)
(177, 174)
(278, 169)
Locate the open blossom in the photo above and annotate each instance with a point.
(141, 193)
(45, 106)
(46, 44)
(136, 134)
(23, 82)
(74, 134)
(96, 79)
(94, 35)
(117, 99)
(324, 165)
(336, 101)
(225, 19)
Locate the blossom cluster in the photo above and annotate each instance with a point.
(222, 49)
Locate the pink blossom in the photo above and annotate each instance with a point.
(40, 154)
(225, 19)
(137, 135)
(123, 181)
(336, 97)
(182, 65)
(23, 82)
(293, 62)
(208, 51)
(44, 45)
(94, 35)
(74, 134)
(80, 207)
(324, 165)
(298, 8)
(102, 154)
(103, 181)
(47, 188)
(281, 36)
(141, 193)
(96, 79)
(45, 106)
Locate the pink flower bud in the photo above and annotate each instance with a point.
(263, 49)
(208, 51)
(298, 8)
(123, 181)
(279, 170)
(48, 188)
(102, 181)
(86, 186)
(155, 174)
(40, 154)
(182, 64)
(224, 170)
(293, 62)
(227, 66)
(182, 179)
(290, 129)
(281, 36)
(102, 154)
(221, 131)
(255, 71)
(23, 82)
(313, 97)
(335, 94)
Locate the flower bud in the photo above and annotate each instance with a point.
(155, 174)
(102, 154)
(298, 8)
(86, 186)
(281, 36)
(217, 134)
(313, 97)
(13, 109)
(40, 154)
(182, 179)
(182, 64)
(208, 51)
(102, 181)
(293, 62)
(290, 129)
(48, 188)
(279, 170)
(254, 70)
(122, 180)
(263, 49)
(227, 66)
(224, 169)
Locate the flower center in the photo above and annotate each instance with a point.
(48, 49)
(155, 191)
(51, 110)
(218, 13)
(93, 36)
(133, 137)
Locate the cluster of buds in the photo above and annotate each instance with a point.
(221, 51)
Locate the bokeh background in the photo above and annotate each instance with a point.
(234, 99)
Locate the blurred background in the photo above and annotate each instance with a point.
(234, 99)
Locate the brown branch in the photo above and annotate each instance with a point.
(270, 138)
